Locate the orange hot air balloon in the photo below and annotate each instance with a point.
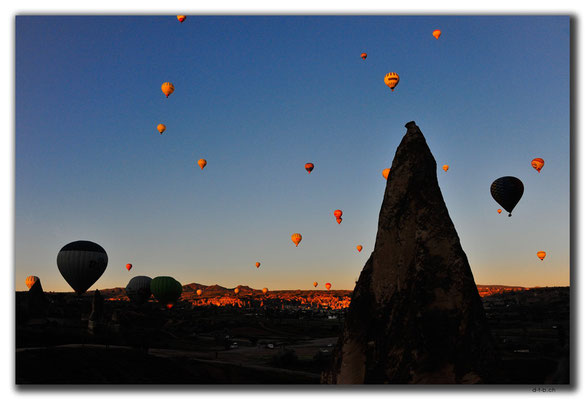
(359, 247)
(296, 238)
(537, 164)
(167, 88)
(257, 265)
(339, 220)
(337, 213)
(161, 128)
(309, 167)
(128, 267)
(199, 291)
(181, 18)
(202, 163)
(364, 56)
(315, 284)
(445, 167)
(327, 286)
(31, 280)
(236, 290)
(437, 34)
(541, 255)
(499, 210)
(264, 290)
(385, 173)
(391, 80)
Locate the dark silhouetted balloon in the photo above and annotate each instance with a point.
(166, 290)
(82, 263)
(507, 191)
(138, 289)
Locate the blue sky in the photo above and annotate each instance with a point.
(258, 97)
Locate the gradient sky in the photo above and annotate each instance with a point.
(258, 97)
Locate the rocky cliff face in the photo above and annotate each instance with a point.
(415, 314)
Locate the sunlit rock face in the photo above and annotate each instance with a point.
(415, 314)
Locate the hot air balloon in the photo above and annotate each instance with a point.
(385, 173)
(82, 263)
(161, 128)
(128, 267)
(309, 167)
(339, 220)
(181, 18)
(236, 290)
(436, 34)
(202, 163)
(445, 167)
(327, 286)
(264, 290)
(337, 213)
(167, 88)
(391, 80)
(166, 290)
(31, 280)
(537, 164)
(199, 291)
(257, 265)
(315, 284)
(364, 56)
(499, 210)
(507, 191)
(138, 289)
(296, 238)
(359, 247)
(541, 255)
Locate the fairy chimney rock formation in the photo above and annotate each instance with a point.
(415, 314)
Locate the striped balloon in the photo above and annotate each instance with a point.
(82, 263)
(166, 290)
(138, 289)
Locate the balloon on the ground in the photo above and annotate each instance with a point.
(138, 289)
(82, 263)
(166, 290)
(507, 191)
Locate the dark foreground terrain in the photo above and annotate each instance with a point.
(224, 344)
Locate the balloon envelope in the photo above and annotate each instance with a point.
(537, 164)
(31, 280)
(359, 247)
(161, 128)
(167, 88)
(264, 290)
(309, 167)
(315, 284)
(391, 80)
(364, 56)
(181, 18)
(507, 191)
(499, 210)
(541, 254)
(82, 263)
(445, 167)
(436, 33)
(385, 173)
(296, 238)
(138, 289)
(202, 163)
(166, 290)
(199, 291)
(328, 286)
(128, 267)
(257, 265)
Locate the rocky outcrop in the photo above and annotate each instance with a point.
(415, 314)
